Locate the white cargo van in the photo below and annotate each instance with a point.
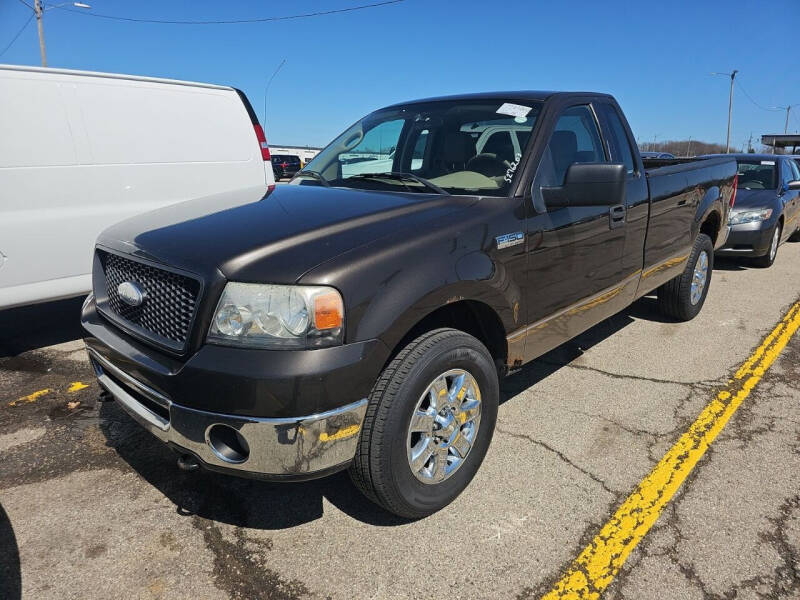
(80, 151)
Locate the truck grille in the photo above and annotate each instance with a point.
(168, 309)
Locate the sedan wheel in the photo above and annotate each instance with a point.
(769, 258)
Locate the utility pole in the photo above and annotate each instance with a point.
(750, 142)
(730, 112)
(730, 108)
(786, 126)
(37, 8)
(689, 147)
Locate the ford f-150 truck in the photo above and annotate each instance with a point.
(362, 320)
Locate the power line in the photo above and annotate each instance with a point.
(19, 33)
(25, 3)
(749, 97)
(235, 21)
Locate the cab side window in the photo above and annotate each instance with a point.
(575, 139)
(618, 141)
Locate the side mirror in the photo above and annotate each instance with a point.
(588, 184)
(793, 185)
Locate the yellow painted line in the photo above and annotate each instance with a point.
(346, 432)
(30, 397)
(596, 566)
(77, 386)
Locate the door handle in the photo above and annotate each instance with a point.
(616, 216)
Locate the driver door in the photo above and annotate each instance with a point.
(575, 253)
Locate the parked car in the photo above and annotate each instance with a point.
(767, 210)
(657, 155)
(362, 321)
(83, 150)
(285, 165)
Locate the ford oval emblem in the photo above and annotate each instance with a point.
(130, 293)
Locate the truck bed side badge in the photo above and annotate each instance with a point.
(509, 239)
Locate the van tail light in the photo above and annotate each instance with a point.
(735, 187)
(262, 141)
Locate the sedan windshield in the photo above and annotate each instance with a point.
(758, 174)
(469, 147)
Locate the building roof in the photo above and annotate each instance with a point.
(781, 140)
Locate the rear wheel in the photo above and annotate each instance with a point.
(683, 297)
(429, 422)
(769, 258)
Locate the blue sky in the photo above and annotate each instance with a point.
(655, 57)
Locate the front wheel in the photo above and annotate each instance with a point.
(769, 258)
(429, 422)
(683, 297)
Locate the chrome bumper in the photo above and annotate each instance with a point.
(297, 446)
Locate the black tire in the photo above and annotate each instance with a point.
(381, 469)
(795, 237)
(768, 259)
(674, 297)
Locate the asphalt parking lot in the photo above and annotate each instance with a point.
(92, 507)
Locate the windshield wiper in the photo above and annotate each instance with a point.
(402, 177)
(313, 175)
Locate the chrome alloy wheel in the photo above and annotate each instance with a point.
(699, 278)
(773, 248)
(443, 426)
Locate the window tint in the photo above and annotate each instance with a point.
(789, 171)
(470, 147)
(375, 152)
(420, 146)
(575, 139)
(522, 139)
(617, 138)
(499, 145)
(757, 174)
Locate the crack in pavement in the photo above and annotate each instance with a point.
(615, 375)
(559, 454)
(784, 580)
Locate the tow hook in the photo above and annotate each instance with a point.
(187, 462)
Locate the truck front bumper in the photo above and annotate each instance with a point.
(159, 395)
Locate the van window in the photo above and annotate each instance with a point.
(617, 138)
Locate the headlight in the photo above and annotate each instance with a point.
(278, 316)
(749, 216)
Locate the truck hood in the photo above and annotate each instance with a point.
(274, 238)
(752, 199)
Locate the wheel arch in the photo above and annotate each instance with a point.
(709, 213)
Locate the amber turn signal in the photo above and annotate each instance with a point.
(328, 311)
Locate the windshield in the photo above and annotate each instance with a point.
(758, 175)
(460, 147)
